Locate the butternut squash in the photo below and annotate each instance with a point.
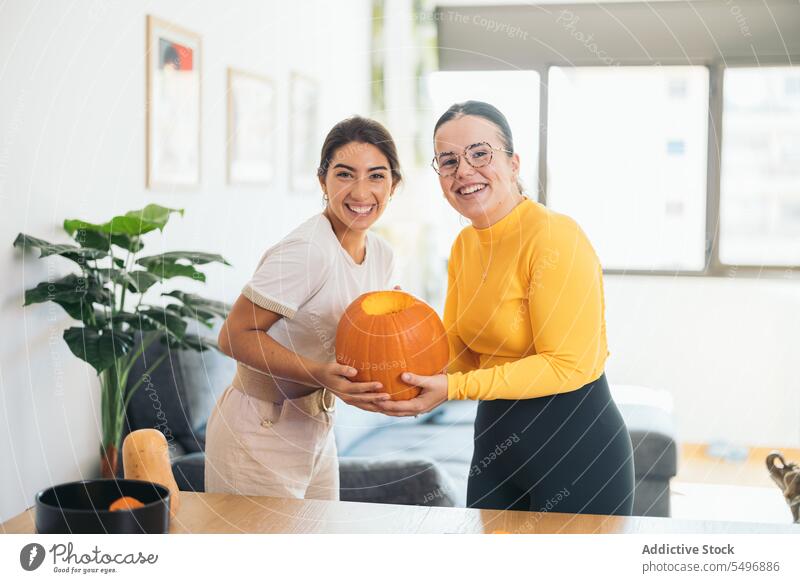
(145, 456)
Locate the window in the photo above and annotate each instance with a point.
(760, 178)
(627, 157)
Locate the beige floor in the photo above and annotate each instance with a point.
(694, 465)
(710, 488)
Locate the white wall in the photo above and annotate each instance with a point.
(727, 350)
(72, 145)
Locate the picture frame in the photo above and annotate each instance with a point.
(173, 59)
(252, 123)
(304, 97)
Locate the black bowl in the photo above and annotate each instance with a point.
(82, 508)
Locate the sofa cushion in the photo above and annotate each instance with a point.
(161, 400)
(179, 394)
(189, 472)
(648, 415)
(418, 482)
(205, 376)
(651, 497)
(450, 446)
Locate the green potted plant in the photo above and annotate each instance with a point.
(107, 298)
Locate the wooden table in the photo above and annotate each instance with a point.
(227, 513)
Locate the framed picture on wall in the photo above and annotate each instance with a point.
(303, 120)
(173, 106)
(251, 128)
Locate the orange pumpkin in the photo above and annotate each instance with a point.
(383, 334)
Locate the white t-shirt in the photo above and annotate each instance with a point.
(310, 279)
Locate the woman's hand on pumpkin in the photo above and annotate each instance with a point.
(433, 394)
(336, 378)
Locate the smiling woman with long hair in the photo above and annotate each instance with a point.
(525, 320)
(270, 433)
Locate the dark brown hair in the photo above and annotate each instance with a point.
(360, 130)
(480, 109)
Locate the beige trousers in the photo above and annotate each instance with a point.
(260, 448)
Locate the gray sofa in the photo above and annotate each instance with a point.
(421, 461)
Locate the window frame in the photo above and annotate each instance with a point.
(713, 266)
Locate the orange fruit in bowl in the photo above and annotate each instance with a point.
(125, 503)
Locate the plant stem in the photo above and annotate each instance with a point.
(92, 317)
(138, 384)
(146, 342)
(104, 418)
(110, 403)
(124, 286)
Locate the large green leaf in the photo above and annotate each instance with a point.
(179, 264)
(113, 275)
(141, 281)
(133, 223)
(199, 308)
(136, 281)
(76, 310)
(75, 295)
(98, 240)
(89, 315)
(70, 289)
(77, 254)
(165, 318)
(100, 348)
(84, 312)
(193, 257)
(137, 321)
(168, 268)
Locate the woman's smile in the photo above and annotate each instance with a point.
(472, 190)
(359, 210)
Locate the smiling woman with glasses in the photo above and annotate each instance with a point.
(525, 320)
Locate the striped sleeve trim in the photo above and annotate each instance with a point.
(263, 301)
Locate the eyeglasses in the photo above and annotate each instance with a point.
(477, 155)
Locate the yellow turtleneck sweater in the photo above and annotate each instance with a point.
(535, 326)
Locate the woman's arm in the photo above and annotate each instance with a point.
(244, 338)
